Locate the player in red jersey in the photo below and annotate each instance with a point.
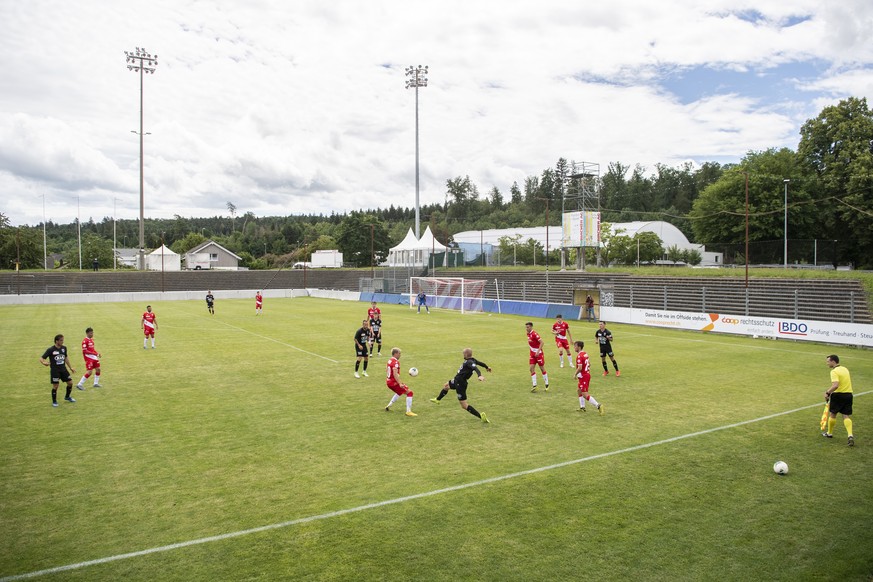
(374, 314)
(92, 360)
(563, 337)
(536, 357)
(583, 373)
(259, 303)
(149, 326)
(395, 385)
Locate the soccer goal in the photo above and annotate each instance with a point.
(448, 292)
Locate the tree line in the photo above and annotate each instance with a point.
(826, 181)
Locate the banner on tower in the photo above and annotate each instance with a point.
(580, 229)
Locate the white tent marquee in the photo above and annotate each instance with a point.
(415, 253)
(163, 259)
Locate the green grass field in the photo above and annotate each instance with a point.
(237, 422)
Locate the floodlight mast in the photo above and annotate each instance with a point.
(141, 62)
(418, 78)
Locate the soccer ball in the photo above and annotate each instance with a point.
(413, 371)
(780, 468)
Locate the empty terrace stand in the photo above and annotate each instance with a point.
(816, 299)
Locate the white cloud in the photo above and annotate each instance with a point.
(301, 107)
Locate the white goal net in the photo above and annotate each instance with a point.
(447, 292)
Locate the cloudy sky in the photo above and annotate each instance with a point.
(300, 106)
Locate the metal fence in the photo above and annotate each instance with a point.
(802, 253)
(801, 303)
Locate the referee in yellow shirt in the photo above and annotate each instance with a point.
(839, 398)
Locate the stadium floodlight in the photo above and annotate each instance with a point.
(141, 62)
(418, 78)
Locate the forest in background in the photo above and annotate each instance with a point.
(828, 183)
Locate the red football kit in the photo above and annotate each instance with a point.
(259, 301)
(536, 353)
(148, 323)
(374, 314)
(394, 364)
(561, 328)
(92, 358)
(585, 375)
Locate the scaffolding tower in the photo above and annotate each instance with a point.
(581, 194)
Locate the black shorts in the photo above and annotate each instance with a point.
(461, 389)
(361, 352)
(841, 403)
(62, 376)
(606, 351)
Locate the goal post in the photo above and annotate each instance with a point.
(448, 292)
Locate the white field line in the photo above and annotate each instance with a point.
(323, 516)
(293, 347)
(756, 347)
(287, 345)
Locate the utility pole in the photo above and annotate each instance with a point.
(785, 229)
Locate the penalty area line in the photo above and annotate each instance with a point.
(387, 502)
(281, 343)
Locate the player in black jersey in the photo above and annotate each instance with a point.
(604, 338)
(56, 358)
(362, 338)
(459, 383)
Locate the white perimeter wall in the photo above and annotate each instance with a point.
(154, 296)
(853, 334)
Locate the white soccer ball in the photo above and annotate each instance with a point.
(413, 371)
(780, 468)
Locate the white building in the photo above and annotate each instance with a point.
(211, 255)
(474, 240)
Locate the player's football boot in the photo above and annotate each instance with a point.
(605, 373)
(827, 435)
(583, 409)
(851, 441)
(410, 413)
(80, 386)
(70, 399)
(547, 387)
(618, 373)
(601, 410)
(435, 400)
(98, 385)
(357, 375)
(484, 418)
(55, 404)
(364, 373)
(534, 389)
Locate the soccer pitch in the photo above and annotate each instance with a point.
(243, 448)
